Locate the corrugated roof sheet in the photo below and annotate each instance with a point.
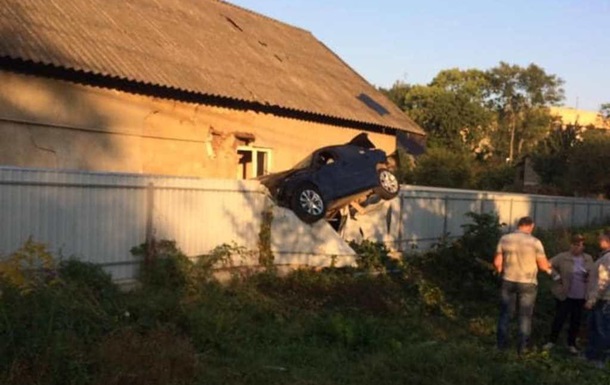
(206, 47)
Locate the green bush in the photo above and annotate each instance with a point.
(441, 167)
(421, 324)
(48, 329)
(462, 269)
(163, 265)
(373, 256)
(495, 177)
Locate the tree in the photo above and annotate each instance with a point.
(494, 176)
(442, 167)
(397, 93)
(405, 165)
(450, 109)
(550, 158)
(588, 164)
(520, 97)
(604, 111)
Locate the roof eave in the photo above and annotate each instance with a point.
(131, 86)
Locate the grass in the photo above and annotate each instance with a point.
(418, 325)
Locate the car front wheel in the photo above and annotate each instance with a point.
(388, 184)
(307, 203)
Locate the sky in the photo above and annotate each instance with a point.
(411, 41)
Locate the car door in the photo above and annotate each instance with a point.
(357, 170)
(327, 169)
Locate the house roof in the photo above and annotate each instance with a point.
(199, 47)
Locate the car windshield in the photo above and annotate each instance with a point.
(305, 163)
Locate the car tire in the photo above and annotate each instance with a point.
(388, 184)
(307, 203)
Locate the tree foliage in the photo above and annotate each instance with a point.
(488, 119)
(450, 108)
(604, 111)
(552, 154)
(442, 167)
(520, 96)
(502, 112)
(588, 165)
(495, 176)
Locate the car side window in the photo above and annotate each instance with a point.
(324, 158)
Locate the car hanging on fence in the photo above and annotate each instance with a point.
(331, 178)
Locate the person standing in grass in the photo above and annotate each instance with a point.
(570, 272)
(519, 256)
(598, 301)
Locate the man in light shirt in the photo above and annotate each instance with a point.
(598, 301)
(518, 258)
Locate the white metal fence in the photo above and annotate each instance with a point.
(422, 215)
(99, 217)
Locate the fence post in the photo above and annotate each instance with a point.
(446, 199)
(150, 228)
(554, 223)
(588, 207)
(400, 223)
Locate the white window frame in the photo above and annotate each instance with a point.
(254, 166)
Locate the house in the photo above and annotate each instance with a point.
(177, 87)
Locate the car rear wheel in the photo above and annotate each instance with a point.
(388, 184)
(307, 203)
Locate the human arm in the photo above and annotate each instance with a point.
(600, 282)
(544, 265)
(541, 260)
(498, 262)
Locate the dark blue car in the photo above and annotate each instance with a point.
(332, 177)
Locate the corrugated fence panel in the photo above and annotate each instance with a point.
(457, 208)
(200, 220)
(77, 214)
(99, 217)
(580, 214)
(429, 212)
(422, 218)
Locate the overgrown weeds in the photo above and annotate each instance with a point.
(424, 319)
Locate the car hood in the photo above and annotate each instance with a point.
(272, 181)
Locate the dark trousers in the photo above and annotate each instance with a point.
(598, 335)
(571, 308)
(524, 296)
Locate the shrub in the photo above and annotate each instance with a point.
(48, 327)
(444, 168)
(90, 278)
(164, 265)
(373, 256)
(461, 270)
(496, 177)
(30, 267)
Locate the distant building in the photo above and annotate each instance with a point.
(584, 118)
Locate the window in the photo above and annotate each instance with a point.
(325, 158)
(253, 162)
